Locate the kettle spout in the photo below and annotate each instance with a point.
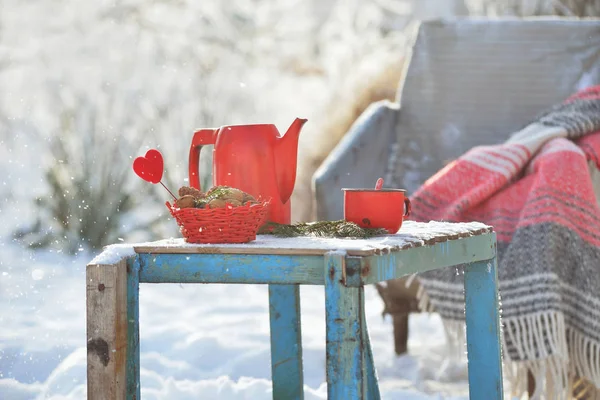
(286, 159)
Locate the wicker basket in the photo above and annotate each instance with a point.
(228, 224)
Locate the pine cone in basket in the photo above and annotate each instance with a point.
(248, 198)
(225, 193)
(215, 197)
(233, 196)
(216, 203)
(187, 190)
(186, 201)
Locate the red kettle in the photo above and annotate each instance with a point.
(252, 158)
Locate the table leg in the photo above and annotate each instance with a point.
(133, 329)
(369, 372)
(483, 331)
(344, 341)
(106, 287)
(286, 342)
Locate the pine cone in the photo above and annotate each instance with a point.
(217, 203)
(190, 191)
(225, 193)
(248, 198)
(186, 201)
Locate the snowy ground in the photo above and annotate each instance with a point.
(208, 341)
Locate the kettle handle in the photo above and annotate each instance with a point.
(201, 138)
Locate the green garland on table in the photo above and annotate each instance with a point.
(334, 229)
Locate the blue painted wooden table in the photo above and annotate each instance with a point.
(342, 266)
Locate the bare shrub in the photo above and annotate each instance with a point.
(99, 106)
(90, 194)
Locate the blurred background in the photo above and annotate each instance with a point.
(85, 87)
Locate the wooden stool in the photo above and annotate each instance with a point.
(342, 266)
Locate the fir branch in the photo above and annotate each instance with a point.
(336, 229)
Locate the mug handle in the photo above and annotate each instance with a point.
(201, 138)
(407, 206)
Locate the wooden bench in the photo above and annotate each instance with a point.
(342, 266)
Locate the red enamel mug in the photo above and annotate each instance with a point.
(376, 208)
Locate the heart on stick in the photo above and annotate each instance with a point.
(150, 166)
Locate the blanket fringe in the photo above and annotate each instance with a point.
(564, 363)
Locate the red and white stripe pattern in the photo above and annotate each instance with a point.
(494, 184)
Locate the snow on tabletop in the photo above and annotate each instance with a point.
(412, 234)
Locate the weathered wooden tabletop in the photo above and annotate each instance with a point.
(412, 234)
(418, 247)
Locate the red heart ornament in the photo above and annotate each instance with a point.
(149, 167)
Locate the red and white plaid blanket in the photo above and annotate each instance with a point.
(540, 192)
